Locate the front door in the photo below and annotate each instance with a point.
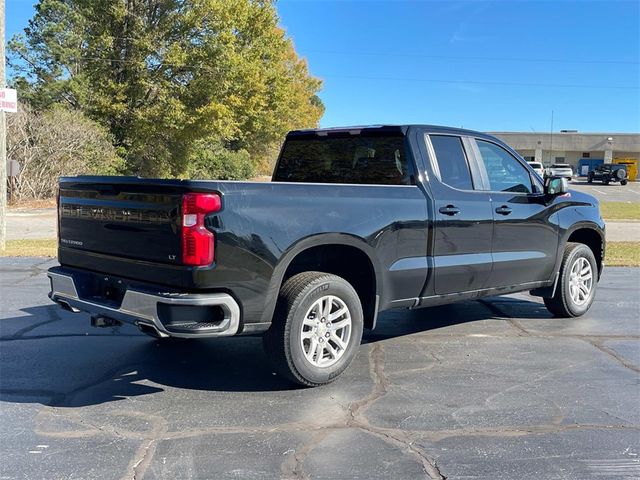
(525, 233)
(463, 220)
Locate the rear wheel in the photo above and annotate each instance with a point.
(576, 284)
(316, 329)
(623, 182)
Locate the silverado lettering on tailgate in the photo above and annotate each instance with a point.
(114, 214)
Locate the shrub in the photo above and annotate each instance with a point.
(54, 143)
(209, 160)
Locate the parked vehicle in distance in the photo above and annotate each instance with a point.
(537, 167)
(608, 172)
(355, 221)
(563, 170)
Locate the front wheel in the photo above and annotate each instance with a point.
(316, 329)
(577, 282)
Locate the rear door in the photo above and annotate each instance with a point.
(525, 233)
(463, 218)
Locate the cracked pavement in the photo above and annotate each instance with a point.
(487, 389)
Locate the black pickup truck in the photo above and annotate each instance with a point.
(355, 221)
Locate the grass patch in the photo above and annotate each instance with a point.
(31, 248)
(618, 253)
(29, 204)
(620, 210)
(621, 254)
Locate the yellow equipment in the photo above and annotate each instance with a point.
(632, 167)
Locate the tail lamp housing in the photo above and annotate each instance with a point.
(197, 242)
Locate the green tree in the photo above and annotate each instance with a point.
(169, 77)
(210, 159)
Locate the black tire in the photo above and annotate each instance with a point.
(605, 181)
(283, 343)
(589, 179)
(623, 182)
(620, 174)
(562, 304)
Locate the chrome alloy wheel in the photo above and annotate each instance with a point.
(326, 331)
(580, 281)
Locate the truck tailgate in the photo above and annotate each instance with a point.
(118, 217)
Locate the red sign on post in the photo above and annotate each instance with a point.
(8, 100)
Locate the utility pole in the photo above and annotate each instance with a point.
(551, 160)
(3, 143)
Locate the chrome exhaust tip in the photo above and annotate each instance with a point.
(150, 330)
(65, 306)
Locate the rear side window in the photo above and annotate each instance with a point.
(506, 174)
(452, 161)
(347, 158)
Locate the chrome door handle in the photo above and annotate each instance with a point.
(449, 210)
(503, 210)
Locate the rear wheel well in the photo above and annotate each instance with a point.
(591, 239)
(347, 262)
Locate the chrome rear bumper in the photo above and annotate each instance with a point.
(141, 308)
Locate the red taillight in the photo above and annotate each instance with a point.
(197, 241)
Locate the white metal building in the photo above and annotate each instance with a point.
(569, 146)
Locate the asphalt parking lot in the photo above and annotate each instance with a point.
(494, 390)
(614, 192)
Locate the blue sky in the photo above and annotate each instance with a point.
(500, 65)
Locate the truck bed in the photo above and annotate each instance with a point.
(129, 227)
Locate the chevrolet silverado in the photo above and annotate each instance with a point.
(354, 222)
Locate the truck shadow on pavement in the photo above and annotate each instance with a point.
(55, 358)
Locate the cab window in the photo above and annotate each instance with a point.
(345, 158)
(452, 161)
(505, 172)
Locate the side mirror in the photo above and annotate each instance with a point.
(556, 186)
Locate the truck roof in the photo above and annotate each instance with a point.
(382, 129)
